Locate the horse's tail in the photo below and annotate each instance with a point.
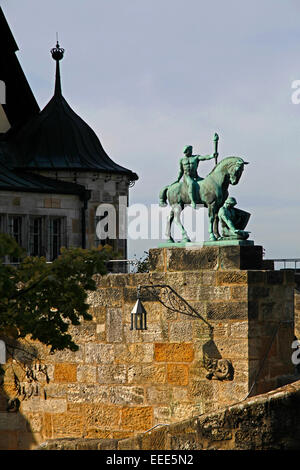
(163, 197)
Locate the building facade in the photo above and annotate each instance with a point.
(54, 172)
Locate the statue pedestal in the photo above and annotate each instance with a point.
(239, 254)
(249, 305)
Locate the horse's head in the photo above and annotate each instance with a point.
(235, 169)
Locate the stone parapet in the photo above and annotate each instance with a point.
(122, 382)
(266, 422)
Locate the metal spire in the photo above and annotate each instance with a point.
(57, 54)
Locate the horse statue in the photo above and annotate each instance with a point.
(211, 191)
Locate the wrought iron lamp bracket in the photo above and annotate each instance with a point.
(170, 299)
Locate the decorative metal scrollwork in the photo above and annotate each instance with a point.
(170, 299)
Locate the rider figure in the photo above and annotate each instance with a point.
(188, 169)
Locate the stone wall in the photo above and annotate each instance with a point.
(267, 422)
(122, 382)
(270, 421)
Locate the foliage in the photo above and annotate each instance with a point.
(42, 299)
(142, 265)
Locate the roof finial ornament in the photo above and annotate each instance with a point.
(57, 54)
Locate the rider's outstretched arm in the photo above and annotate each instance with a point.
(205, 157)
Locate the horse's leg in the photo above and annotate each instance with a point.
(169, 224)
(216, 227)
(211, 220)
(177, 213)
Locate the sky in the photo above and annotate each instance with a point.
(151, 76)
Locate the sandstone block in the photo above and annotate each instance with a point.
(181, 331)
(110, 374)
(88, 393)
(209, 278)
(65, 373)
(118, 436)
(83, 333)
(156, 259)
(180, 279)
(106, 297)
(239, 329)
(239, 293)
(133, 353)
(180, 394)
(99, 353)
(181, 259)
(98, 313)
(114, 332)
(227, 310)
(156, 439)
(56, 390)
(146, 374)
(177, 374)
(204, 293)
(203, 390)
(231, 277)
(137, 418)
(185, 411)
(99, 434)
(67, 356)
(137, 279)
(173, 352)
(232, 347)
(34, 422)
(86, 373)
(158, 395)
(155, 332)
(119, 280)
(162, 414)
(154, 311)
(126, 395)
(47, 425)
(52, 405)
(67, 424)
(102, 281)
(102, 416)
(185, 442)
(240, 257)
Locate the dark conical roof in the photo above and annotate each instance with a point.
(57, 138)
(21, 180)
